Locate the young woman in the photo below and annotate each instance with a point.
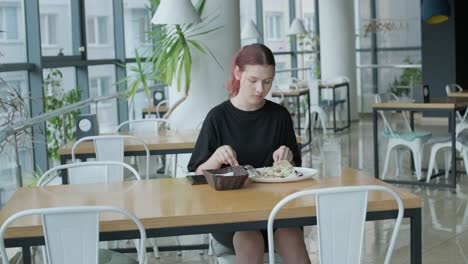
(249, 130)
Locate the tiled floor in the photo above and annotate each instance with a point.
(445, 215)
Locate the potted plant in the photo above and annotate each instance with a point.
(170, 57)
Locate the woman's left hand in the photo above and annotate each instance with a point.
(283, 153)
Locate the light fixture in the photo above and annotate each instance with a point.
(173, 12)
(249, 30)
(297, 27)
(435, 11)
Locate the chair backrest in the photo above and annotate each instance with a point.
(452, 88)
(385, 114)
(163, 102)
(341, 215)
(111, 148)
(86, 172)
(146, 125)
(72, 233)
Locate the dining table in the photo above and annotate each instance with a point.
(178, 208)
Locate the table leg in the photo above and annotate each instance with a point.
(416, 237)
(26, 250)
(334, 112)
(349, 105)
(310, 117)
(63, 173)
(298, 103)
(452, 126)
(376, 143)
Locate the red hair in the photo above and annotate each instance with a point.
(254, 54)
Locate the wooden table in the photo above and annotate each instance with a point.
(335, 86)
(152, 110)
(178, 208)
(463, 94)
(447, 106)
(166, 142)
(297, 93)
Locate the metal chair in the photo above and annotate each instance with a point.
(149, 126)
(341, 215)
(72, 234)
(414, 140)
(163, 102)
(92, 172)
(455, 88)
(86, 172)
(111, 148)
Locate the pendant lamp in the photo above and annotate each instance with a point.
(435, 11)
(175, 12)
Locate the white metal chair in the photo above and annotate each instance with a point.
(414, 140)
(149, 127)
(91, 172)
(143, 127)
(455, 88)
(158, 106)
(86, 172)
(72, 234)
(111, 148)
(341, 215)
(461, 145)
(315, 108)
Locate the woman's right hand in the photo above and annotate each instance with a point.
(225, 155)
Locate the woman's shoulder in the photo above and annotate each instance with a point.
(217, 111)
(276, 108)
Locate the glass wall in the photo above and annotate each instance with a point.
(388, 48)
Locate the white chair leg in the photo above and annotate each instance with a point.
(179, 252)
(210, 249)
(465, 159)
(155, 247)
(447, 161)
(387, 159)
(416, 150)
(322, 118)
(432, 163)
(398, 160)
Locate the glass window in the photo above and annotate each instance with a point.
(99, 29)
(274, 27)
(97, 33)
(9, 23)
(137, 18)
(101, 83)
(56, 27)
(14, 108)
(49, 30)
(248, 11)
(275, 23)
(283, 62)
(12, 33)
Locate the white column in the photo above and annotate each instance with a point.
(337, 44)
(208, 79)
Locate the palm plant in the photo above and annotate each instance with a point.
(170, 57)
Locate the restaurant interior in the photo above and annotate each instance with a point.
(102, 103)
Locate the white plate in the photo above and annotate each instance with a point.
(307, 173)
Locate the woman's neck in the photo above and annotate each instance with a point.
(245, 106)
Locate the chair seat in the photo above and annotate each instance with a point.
(408, 136)
(330, 102)
(111, 257)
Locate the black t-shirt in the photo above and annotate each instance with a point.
(254, 135)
